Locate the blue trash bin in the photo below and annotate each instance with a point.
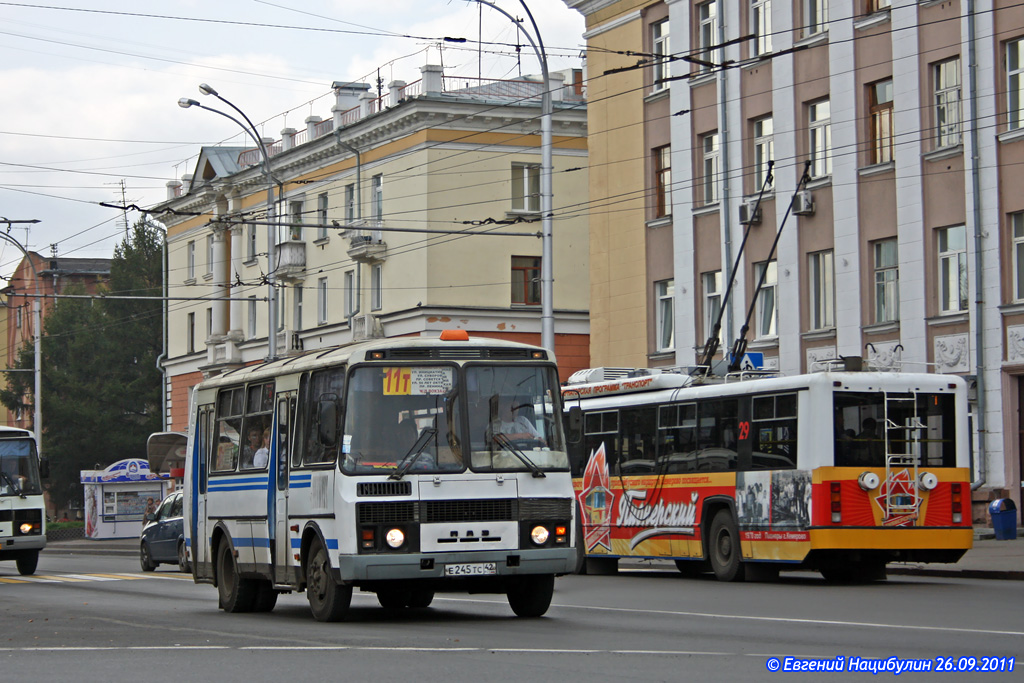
(1004, 518)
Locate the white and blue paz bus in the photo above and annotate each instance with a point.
(394, 466)
(22, 509)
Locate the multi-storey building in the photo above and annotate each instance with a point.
(403, 214)
(903, 247)
(39, 275)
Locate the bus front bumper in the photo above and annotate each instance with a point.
(506, 563)
(10, 547)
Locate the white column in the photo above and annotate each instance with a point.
(220, 281)
(234, 275)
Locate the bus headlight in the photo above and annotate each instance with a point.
(868, 481)
(539, 535)
(26, 528)
(394, 538)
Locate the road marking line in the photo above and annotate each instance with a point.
(90, 577)
(66, 578)
(4, 580)
(36, 579)
(121, 576)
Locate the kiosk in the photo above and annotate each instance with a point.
(118, 498)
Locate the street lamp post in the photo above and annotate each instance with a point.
(547, 320)
(37, 399)
(250, 130)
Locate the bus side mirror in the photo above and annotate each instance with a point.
(44, 468)
(327, 422)
(575, 424)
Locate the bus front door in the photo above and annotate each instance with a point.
(282, 551)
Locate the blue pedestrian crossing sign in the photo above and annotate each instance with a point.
(752, 361)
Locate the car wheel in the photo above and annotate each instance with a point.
(146, 558)
(183, 564)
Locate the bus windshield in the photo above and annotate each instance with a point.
(871, 425)
(19, 468)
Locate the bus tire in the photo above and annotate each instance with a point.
(724, 548)
(266, 596)
(394, 597)
(236, 594)
(421, 599)
(530, 596)
(328, 600)
(27, 562)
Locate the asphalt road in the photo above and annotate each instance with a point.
(92, 617)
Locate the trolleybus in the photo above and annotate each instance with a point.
(385, 466)
(22, 510)
(837, 471)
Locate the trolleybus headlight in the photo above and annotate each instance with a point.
(927, 480)
(868, 481)
(394, 538)
(26, 528)
(540, 535)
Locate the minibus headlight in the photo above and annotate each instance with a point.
(540, 535)
(394, 538)
(26, 528)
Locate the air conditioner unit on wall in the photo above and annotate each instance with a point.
(803, 203)
(749, 215)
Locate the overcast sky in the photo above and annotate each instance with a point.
(90, 97)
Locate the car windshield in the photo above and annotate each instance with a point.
(513, 418)
(19, 468)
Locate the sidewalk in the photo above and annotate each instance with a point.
(988, 559)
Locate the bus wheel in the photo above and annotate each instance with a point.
(27, 562)
(690, 567)
(236, 594)
(530, 596)
(266, 597)
(724, 548)
(421, 599)
(328, 601)
(394, 598)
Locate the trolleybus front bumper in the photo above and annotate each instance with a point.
(499, 563)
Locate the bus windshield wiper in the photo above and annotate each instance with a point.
(11, 483)
(506, 443)
(414, 453)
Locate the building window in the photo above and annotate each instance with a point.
(880, 96)
(1015, 83)
(764, 150)
(709, 179)
(252, 317)
(1017, 230)
(190, 331)
(526, 280)
(823, 290)
(820, 120)
(321, 301)
(713, 304)
(377, 197)
(209, 323)
(298, 307)
(250, 241)
(321, 216)
(190, 254)
(350, 203)
(17, 317)
(766, 309)
(817, 17)
(662, 53)
(761, 25)
(209, 254)
(878, 5)
(350, 293)
(953, 269)
(295, 211)
(946, 77)
(665, 292)
(887, 281)
(377, 287)
(526, 187)
(662, 181)
(707, 34)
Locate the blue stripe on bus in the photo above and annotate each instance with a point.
(301, 477)
(251, 542)
(301, 485)
(240, 480)
(240, 487)
(332, 543)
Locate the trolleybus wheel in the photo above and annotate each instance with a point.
(266, 597)
(183, 565)
(724, 548)
(530, 596)
(236, 594)
(691, 567)
(328, 601)
(27, 562)
(146, 558)
(853, 571)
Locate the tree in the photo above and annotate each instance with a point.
(101, 387)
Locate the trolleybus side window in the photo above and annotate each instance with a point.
(638, 429)
(677, 437)
(256, 426)
(717, 435)
(602, 428)
(230, 407)
(773, 432)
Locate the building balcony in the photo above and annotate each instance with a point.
(367, 246)
(291, 260)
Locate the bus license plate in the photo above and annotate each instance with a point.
(471, 569)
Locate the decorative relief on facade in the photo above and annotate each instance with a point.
(885, 356)
(951, 353)
(1015, 344)
(818, 354)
